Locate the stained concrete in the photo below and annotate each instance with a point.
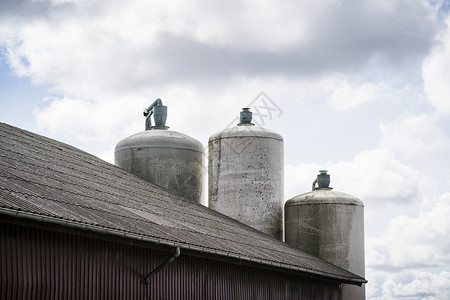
(329, 225)
(246, 177)
(167, 158)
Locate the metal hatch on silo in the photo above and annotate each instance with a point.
(329, 225)
(164, 157)
(245, 175)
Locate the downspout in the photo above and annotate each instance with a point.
(162, 266)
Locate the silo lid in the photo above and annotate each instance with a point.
(160, 138)
(324, 196)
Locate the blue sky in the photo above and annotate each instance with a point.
(362, 89)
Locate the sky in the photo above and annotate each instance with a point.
(357, 87)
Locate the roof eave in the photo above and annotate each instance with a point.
(166, 242)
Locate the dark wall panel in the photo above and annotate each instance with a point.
(42, 264)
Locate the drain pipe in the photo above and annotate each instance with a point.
(162, 266)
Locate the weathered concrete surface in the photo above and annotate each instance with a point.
(329, 225)
(245, 177)
(167, 158)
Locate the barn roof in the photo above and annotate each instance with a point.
(53, 182)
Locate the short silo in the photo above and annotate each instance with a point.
(164, 157)
(245, 175)
(329, 225)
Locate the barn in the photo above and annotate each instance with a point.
(73, 226)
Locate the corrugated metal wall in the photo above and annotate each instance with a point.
(41, 264)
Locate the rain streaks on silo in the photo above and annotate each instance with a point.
(245, 175)
(164, 157)
(329, 225)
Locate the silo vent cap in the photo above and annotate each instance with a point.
(159, 112)
(322, 180)
(245, 117)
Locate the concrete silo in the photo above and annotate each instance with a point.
(164, 157)
(245, 175)
(329, 225)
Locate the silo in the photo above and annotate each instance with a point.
(164, 157)
(245, 175)
(329, 225)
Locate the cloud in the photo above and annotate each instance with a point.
(407, 258)
(97, 45)
(23, 8)
(345, 97)
(374, 176)
(414, 242)
(99, 57)
(87, 121)
(272, 25)
(107, 55)
(108, 155)
(415, 134)
(409, 284)
(436, 72)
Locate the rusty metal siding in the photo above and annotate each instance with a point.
(42, 264)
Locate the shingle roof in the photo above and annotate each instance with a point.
(44, 178)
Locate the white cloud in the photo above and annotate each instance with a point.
(345, 93)
(88, 121)
(99, 57)
(108, 155)
(76, 58)
(268, 25)
(84, 46)
(412, 242)
(413, 135)
(409, 284)
(408, 257)
(436, 72)
(345, 97)
(373, 176)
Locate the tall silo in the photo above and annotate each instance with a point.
(164, 157)
(329, 225)
(245, 175)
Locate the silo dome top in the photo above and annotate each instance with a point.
(245, 129)
(323, 194)
(160, 138)
(167, 158)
